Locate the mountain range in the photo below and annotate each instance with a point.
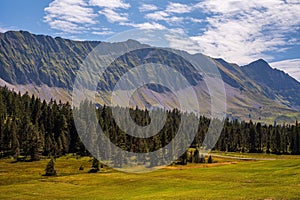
(47, 67)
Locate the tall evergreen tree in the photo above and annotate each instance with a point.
(50, 168)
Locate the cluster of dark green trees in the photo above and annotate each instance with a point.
(259, 138)
(31, 128)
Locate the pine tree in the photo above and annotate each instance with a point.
(197, 156)
(36, 143)
(252, 139)
(50, 168)
(183, 158)
(15, 141)
(210, 160)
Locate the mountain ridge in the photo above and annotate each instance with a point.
(279, 82)
(36, 61)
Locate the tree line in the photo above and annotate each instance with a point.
(31, 128)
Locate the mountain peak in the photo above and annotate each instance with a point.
(133, 41)
(17, 33)
(260, 63)
(273, 82)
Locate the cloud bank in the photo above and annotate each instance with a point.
(235, 30)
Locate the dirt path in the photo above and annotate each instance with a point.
(192, 166)
(240, 158)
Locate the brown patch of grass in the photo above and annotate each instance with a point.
(194, 166)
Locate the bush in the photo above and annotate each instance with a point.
(95, 166)
(202, 159)
(81, 167)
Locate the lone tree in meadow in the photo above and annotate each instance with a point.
(183, 158)
(50, 168)
(210, 160)
(95, 166)
(198, 157)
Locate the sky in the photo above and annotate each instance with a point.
(238, 31)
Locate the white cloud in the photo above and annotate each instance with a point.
(195, 20)
(69, 15)
(3, 30)
(235, 30)
(147, 7)
(103, 32)
(157, 15)
(175, 20)
(178, 8)
(178, 40)
(146, 26)
(164, 16)
(112, 16)
(241, 32)
(110, 9)
(76, 16)
(112, 4)
(292, 67)
(67, 27)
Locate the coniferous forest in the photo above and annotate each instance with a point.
(31, 128)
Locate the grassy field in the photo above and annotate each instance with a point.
(227, 179)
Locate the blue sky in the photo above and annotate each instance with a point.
(235, 30)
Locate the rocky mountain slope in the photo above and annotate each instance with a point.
(47, 67)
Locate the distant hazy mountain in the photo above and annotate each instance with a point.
(47, 67)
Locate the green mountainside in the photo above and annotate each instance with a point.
(37, 59)
(47, 67)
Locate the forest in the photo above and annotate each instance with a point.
(31, 128)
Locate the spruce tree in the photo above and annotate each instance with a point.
(210, 160)
(196, 156)
(50, 168)
(183, 158)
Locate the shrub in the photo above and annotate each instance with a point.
(95, 166)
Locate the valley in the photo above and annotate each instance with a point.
(226, 179)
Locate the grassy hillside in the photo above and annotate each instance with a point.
(228, 179)
(26, 58)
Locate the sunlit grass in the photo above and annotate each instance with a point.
(273, 179)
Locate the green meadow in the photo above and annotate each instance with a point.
(228, 178)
